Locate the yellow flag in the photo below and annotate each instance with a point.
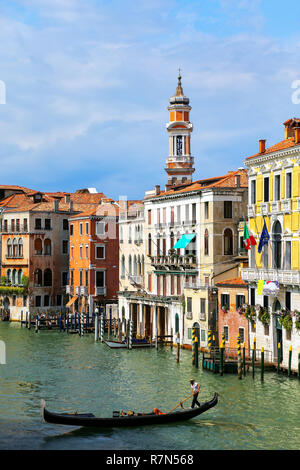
(260, 285)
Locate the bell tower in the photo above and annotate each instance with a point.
(180, 163)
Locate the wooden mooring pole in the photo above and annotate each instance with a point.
(222, 348)
(178, 348)
(290, 361)
(253, 360)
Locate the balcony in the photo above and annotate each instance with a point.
(135, 280)
(189, 223)
(251, 210)
(84, 290)
(15, 229)
(275, 207)
(189, 315)
(100, 290)
(282, 276)
(174, 261)
(264, 208)
(77, 290)
(69, 290)
(286, 205)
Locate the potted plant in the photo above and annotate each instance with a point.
(224, 308)
(250, 313)
(296, 314)
(264, 315)
(286, 321)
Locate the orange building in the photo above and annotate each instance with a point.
(94, 258)
(232, 296)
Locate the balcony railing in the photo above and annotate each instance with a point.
(135, 279)
(83, 290)
(189, 315)
(14, 229)
(282, 276)
(174, 260)
(100, 290)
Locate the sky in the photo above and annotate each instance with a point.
(87, 85)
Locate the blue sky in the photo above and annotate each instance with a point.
(88, 85)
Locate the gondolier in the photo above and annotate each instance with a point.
(195, 388)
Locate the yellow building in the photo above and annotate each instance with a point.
(274, 197)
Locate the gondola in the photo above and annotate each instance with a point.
(122, 345)
(137, 419)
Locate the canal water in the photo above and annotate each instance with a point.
(73, 373)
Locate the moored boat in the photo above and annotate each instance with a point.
(134, 419)
(122, 345)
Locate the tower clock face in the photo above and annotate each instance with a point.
(179, 144)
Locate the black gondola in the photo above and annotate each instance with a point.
(137, 419)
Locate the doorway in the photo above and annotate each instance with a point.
(278, 330)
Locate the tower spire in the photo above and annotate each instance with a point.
(180, 162)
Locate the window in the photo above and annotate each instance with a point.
(288, 185)
(47, 247)
(266, 301)
(202, 305)
(24, 300)
(189, 333)
(242, 335)
(38, 278)
(80, 228)
(38, 300)
(100, 228)
(20, 248)
(203, 335)
(47, 278)
(179, 145)
(240, 300)
(25, 226)
(178, 214)
(71, 277)
(100, 278)
(86, 283)
(187, 212)
(46, 300)
(59, 300)
(86, 251)
(71, 229)
(178, 285)
(47, 224)
(225, 302)
(150, 282)
(9, 248)
(86, 228)
(227, 209)
(277, 244)
(287, 255)
(277, 188)
(253, 192)
(65, 224)
(206, 210)
(38, 246)
(100, 252)
(172, 284)
(149, 217)
(253, 256)
(206, 242)
(65, 247)
(189, 304)
(123, 267)
(266, 189)
(80, 277)
(288, 301)
(38, 224)
(252, 296)
(72, 252)
(64, 278)
(194, 213)
(226, 333)
(228, 242)
(265, 253)
(80, 252)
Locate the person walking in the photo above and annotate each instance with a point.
(195, 389)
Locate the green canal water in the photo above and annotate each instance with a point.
(73, 373)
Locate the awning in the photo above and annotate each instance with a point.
(71, 301)
(184, 241)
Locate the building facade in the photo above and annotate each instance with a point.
(273, 274)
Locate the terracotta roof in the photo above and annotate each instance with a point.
(237, 281)
(225, 181)
(284, 144)
(110, 210)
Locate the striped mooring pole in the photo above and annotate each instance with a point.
(196, 351)
(81, 324)
(209, 339)
(278, 357)
(290, 361)
(101, 327)
(96, 326)
(262, 360)
(222, 356)
(178, 347)
(130, 334)
(193, 346)
(244, 359)
(239, 361)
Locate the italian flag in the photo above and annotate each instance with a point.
(248, 240)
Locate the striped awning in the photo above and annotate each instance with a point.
(71, 301)
(184, 240)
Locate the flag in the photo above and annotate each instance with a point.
(260, 285)
(264, 238)
(248, 240)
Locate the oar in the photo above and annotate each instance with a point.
(181, 403)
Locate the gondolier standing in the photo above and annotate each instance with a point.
(195, 388)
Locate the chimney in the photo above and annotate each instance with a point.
(67, 198)
(297, 135)
(262, 146)
(237, 181)
(157, 189)
(71, 206)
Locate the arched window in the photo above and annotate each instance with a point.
(121, 234)
(138, 265)
(14, 277)
(277, 249)
(38, 246)
(130, 265)
(38, 278)
(20, 275)
(134, 266)
(8, 275)
(228, 242)
(20, 248)
(47, 278)
(206, 242)
(15, 247)
(129, 234)
(143, 266)
(9, 247)
(123, 266)
(47, 247)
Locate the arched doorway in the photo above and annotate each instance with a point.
(176, 323)
(6, 309)
(278, 329)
